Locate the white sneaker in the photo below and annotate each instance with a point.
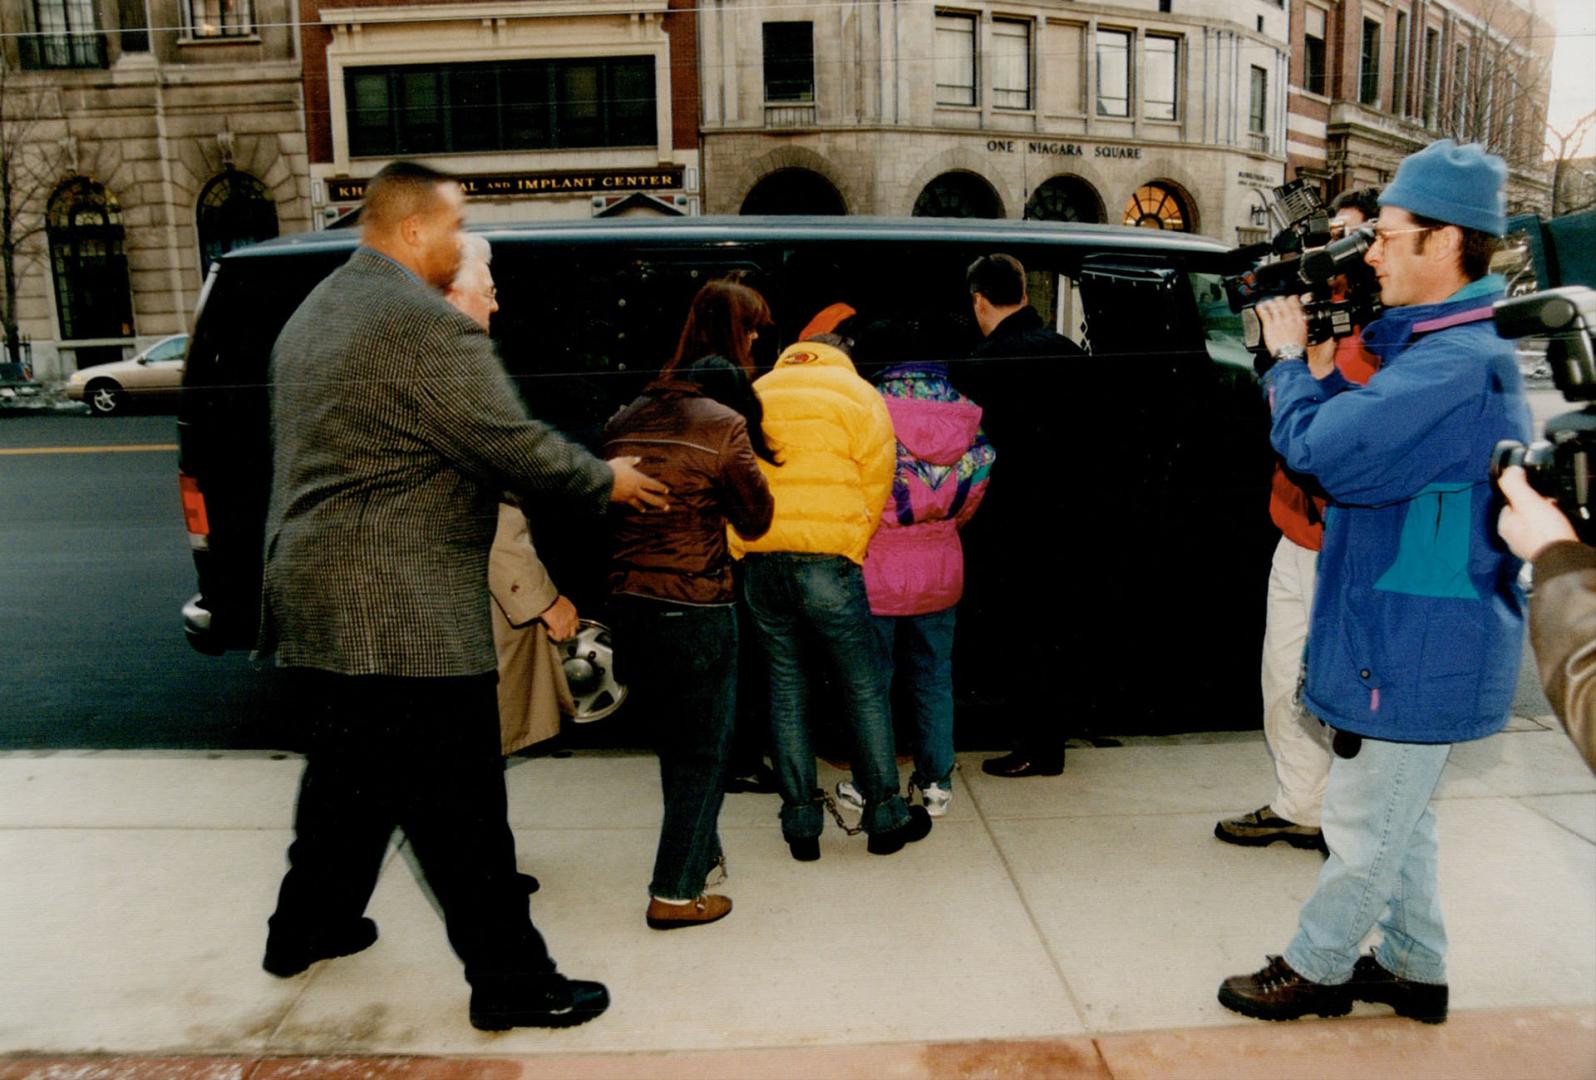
(936, 799)
(849, 796)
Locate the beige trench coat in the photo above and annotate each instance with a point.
(532, 688)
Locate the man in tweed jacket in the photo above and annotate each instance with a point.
(395, 429)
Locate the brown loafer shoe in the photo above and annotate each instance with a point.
(1424, 1002)
(706, 909)
(1279, 993)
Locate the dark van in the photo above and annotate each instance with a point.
(1167, 485)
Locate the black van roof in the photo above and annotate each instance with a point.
(710, 230)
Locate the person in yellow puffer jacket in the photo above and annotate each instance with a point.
(804, 585)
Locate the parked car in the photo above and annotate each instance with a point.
(1172, 480)
(154, 374)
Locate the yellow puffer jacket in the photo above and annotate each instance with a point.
(833, 437)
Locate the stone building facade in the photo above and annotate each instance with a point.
(154, 135)
(1122, 113)
(545, 108)
(1374, 80)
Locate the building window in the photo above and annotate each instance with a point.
(1258, 102)
(1432, 75)
(1369, 64)
(958, 194)
(220, 18)
(789, 61)
(1399, 66)
(134, 23)
(67, 37)
(1158, 206)
(1113, 72)
(1161, 70)
(1011, 64)
(1313, 51)
(955, 59)
(1065, 198)
(235, 210)
(89, 262)
(514, 105)
(1460, 79)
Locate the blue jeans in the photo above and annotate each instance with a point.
(797, 600)
(1380, 829)
(925, 643)
(681, 661)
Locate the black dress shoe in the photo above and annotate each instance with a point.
(1425, 1002)
(1279, 993)
(551, 1001)
(286, 958)
(804, 848)
(1022, 763)
(918, 827)
(527, 883)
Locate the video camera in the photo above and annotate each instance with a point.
(1307, 257)
(1561, 465)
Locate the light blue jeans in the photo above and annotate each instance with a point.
(1380, 829)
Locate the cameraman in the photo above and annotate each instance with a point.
(1417, 621)
(1297, 742)
(1563, 609)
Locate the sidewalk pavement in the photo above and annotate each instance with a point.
(1069, 926)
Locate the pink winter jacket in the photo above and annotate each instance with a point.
(915, 563)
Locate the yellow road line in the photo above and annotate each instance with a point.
(132, 448)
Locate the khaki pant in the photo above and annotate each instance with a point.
(1298, 742)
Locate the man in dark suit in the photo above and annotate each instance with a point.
(394, 431)
(1024, 375)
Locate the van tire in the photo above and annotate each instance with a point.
(105, 397)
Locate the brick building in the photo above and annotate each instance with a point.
(1373, 81)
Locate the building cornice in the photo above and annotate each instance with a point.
(506, 10)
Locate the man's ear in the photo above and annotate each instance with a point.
(410, 229)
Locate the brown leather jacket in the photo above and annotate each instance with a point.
(1563, 631)
(700, 449)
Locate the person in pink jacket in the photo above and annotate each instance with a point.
(914, 567)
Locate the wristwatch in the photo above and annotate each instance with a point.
(1289, 351)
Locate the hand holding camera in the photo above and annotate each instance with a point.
(1530, 521)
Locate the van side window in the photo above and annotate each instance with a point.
(1222, 329)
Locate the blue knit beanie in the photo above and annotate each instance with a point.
(1460, 185)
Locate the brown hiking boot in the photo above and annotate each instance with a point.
(1263, 827)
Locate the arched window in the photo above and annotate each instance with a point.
(1159, 206)
(235, 210)
(794, 191)
(958, 194)
(89, 262)
(1065, 198)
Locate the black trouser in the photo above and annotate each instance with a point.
(422, 755)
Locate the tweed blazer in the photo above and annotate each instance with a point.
(394, 431)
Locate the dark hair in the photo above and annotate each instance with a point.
(998, 277)
(718, 324)
(713, 352)
(1478, 247)
(400, 190)
(1365, 201)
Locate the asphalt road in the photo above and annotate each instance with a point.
(94, 567)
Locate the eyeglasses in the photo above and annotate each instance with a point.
(1382, 235)
(491, 293)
